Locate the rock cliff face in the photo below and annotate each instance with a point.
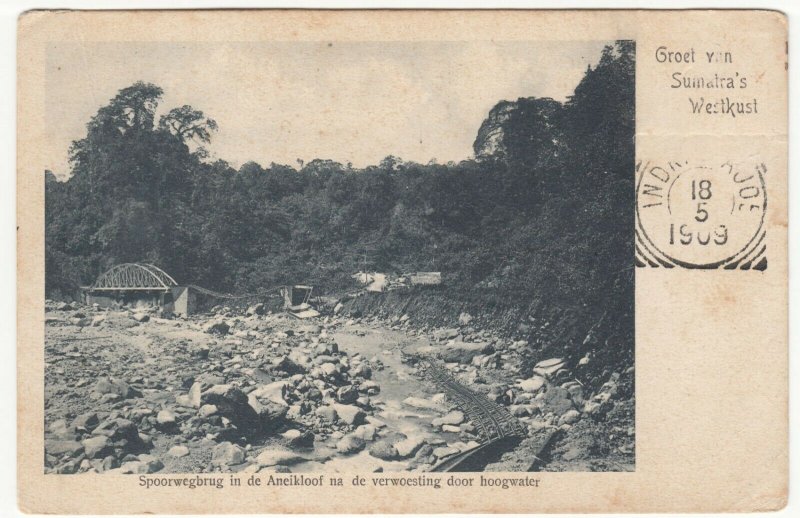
(490, 135)
(512, 125)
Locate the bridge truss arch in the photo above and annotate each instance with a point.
(134, 276)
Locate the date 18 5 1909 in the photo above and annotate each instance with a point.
(699, 216)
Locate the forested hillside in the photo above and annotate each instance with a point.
(544, 210)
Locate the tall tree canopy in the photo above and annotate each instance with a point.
(539, 213)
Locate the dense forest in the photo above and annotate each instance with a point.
(544, 209)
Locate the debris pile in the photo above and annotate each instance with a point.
(128, 391)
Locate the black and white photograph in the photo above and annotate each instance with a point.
(308, 257)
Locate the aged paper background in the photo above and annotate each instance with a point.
(711, 345)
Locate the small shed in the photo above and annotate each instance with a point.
(426, 278)
(296, 300)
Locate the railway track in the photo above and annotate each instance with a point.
(493, 421)
(498, 429)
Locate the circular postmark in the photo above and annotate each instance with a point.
(700, 216)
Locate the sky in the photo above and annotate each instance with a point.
(284, 101)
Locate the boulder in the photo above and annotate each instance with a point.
(59, 448)
(97, 320)
(148, 464)
(362, 370)
(463, 352)
(454, 418)
(217, 327)
(445, 334)
(106, 385)
(141, 317)
(97, 446)
(409, 446)
(556, 400)
(118, 430)
(350, 443)
(256, 309)
(166, 419)
(327, 413)
(232, 403)
(303, 440)
(464, 319)
(275, 392)
(347, 394)
(208, 410)
(178, 451)
(349, 414)
(86, 422)
(227, 454)
(366, 432)
(383, 450)
(532, 385)
(570, 417)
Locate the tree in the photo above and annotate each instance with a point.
(187, 124)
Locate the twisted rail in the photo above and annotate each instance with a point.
(492, 419)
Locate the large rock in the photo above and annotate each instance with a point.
(97, 446)
(166, 419)
(556, 400)
(347, 394)
(383, 450)
(570, 417)
(302, 440)
(118, 430)
(408, 446)
(208, 410)
(275, 392)
(86, 422)
(350, 443)
(148, 464)
(532, 385)
(232, 403)
(456, 417)
(178, 451)
(463, 352)
(59, 448)
(445, 334)
(192, 399)
(107, 385)
(366, 432)
(327, 413)
(256, 309)
(349, 414)
(218, 327)
(227, 454)
(511, 124)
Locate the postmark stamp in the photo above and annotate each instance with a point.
(701, 216)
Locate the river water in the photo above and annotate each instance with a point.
(397, 382)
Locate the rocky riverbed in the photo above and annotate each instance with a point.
(127, 391)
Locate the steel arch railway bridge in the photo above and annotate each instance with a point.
(134, 276)
(145, 283)
(138, 284)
